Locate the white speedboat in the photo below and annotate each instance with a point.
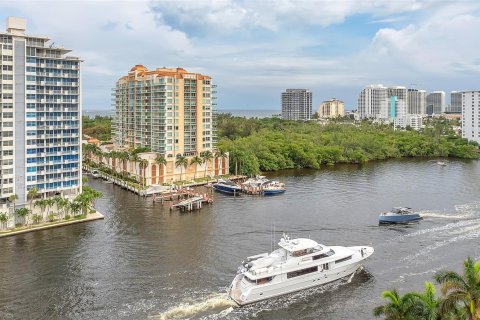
(297, 265)
(399, 215)
(95, 173)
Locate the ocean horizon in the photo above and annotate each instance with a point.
(248, 113)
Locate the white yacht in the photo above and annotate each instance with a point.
(298, 264)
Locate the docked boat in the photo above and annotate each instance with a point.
(95, 173)
(399, 215)
(296, 265)
(226, 186)
(262, 185)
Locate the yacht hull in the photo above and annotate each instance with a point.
(226, 189)
(273, 192)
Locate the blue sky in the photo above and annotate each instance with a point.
(256, 49)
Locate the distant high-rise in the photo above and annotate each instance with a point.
(455, 102)
(397, 102)
(471, 115)
(40, 102)
(373, 102)
(435, 102)
(296, 104)
(417, 101)
(331, 108)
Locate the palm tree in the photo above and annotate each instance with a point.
(32, 194)
(398, 307)
(161, 161)
(461, 291)
(143, 164)
(49, 204)
(196, 160)
(12, 199)
(42, 203)
(220, 154)
(207, 156)
(135, 158)
(62, 203)
(428, 302)
(3, 219)
(23, 213)
(181, 162)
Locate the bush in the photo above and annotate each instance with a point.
(67, 217)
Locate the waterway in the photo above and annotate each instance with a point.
(144, 261)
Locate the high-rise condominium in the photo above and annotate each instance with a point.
(331, 108)
(471, 115)
(296, 104)
(397, 99)
(435, 102)
(455, 102)
(373, 102)
(40, 104)
(417, 101)
(168, 110)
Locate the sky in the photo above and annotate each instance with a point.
(255, 49)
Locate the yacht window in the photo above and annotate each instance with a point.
(324, 255)
(299, 253)
(343, 259)
(301, 272)
(249, 280)
(264, 280)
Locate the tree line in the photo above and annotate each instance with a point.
(271, 144)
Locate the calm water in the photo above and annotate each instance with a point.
(144, 262)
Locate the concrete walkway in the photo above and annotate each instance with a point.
(91, 217)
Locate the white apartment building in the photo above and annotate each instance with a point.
(296, 104)
(435, 102)
(373, 103)
(417, 100)
(415, 121)
(471, 115)
(40, 105)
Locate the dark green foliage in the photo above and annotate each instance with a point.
(272, 144)
(99, 127)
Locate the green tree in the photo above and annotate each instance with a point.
(42, 204)
(13, 199)
(196, 161)
(206, 156)
(135, 159)
(181, 162)
(427, 302)
(162, 162)
(143, 164)
(398, 307)
(32, 194)
(461, 291)
(4, 217)
(23, 214)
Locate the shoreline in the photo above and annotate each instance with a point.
(91, 217)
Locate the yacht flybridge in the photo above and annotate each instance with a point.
(298, 264)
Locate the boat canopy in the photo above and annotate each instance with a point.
(298, 244)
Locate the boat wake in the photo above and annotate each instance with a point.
(215, 306)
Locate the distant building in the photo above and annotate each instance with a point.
(435, 103)
(455, 102)
(416, 101)
(296, 104)
(471, 115)
(397, 105)
(331, 108)
(413, 121)
(373, 103)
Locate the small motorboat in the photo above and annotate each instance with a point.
(95, 173)
(227, 186)
(441, 163)
(399, 215)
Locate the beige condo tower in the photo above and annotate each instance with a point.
(170, 111)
